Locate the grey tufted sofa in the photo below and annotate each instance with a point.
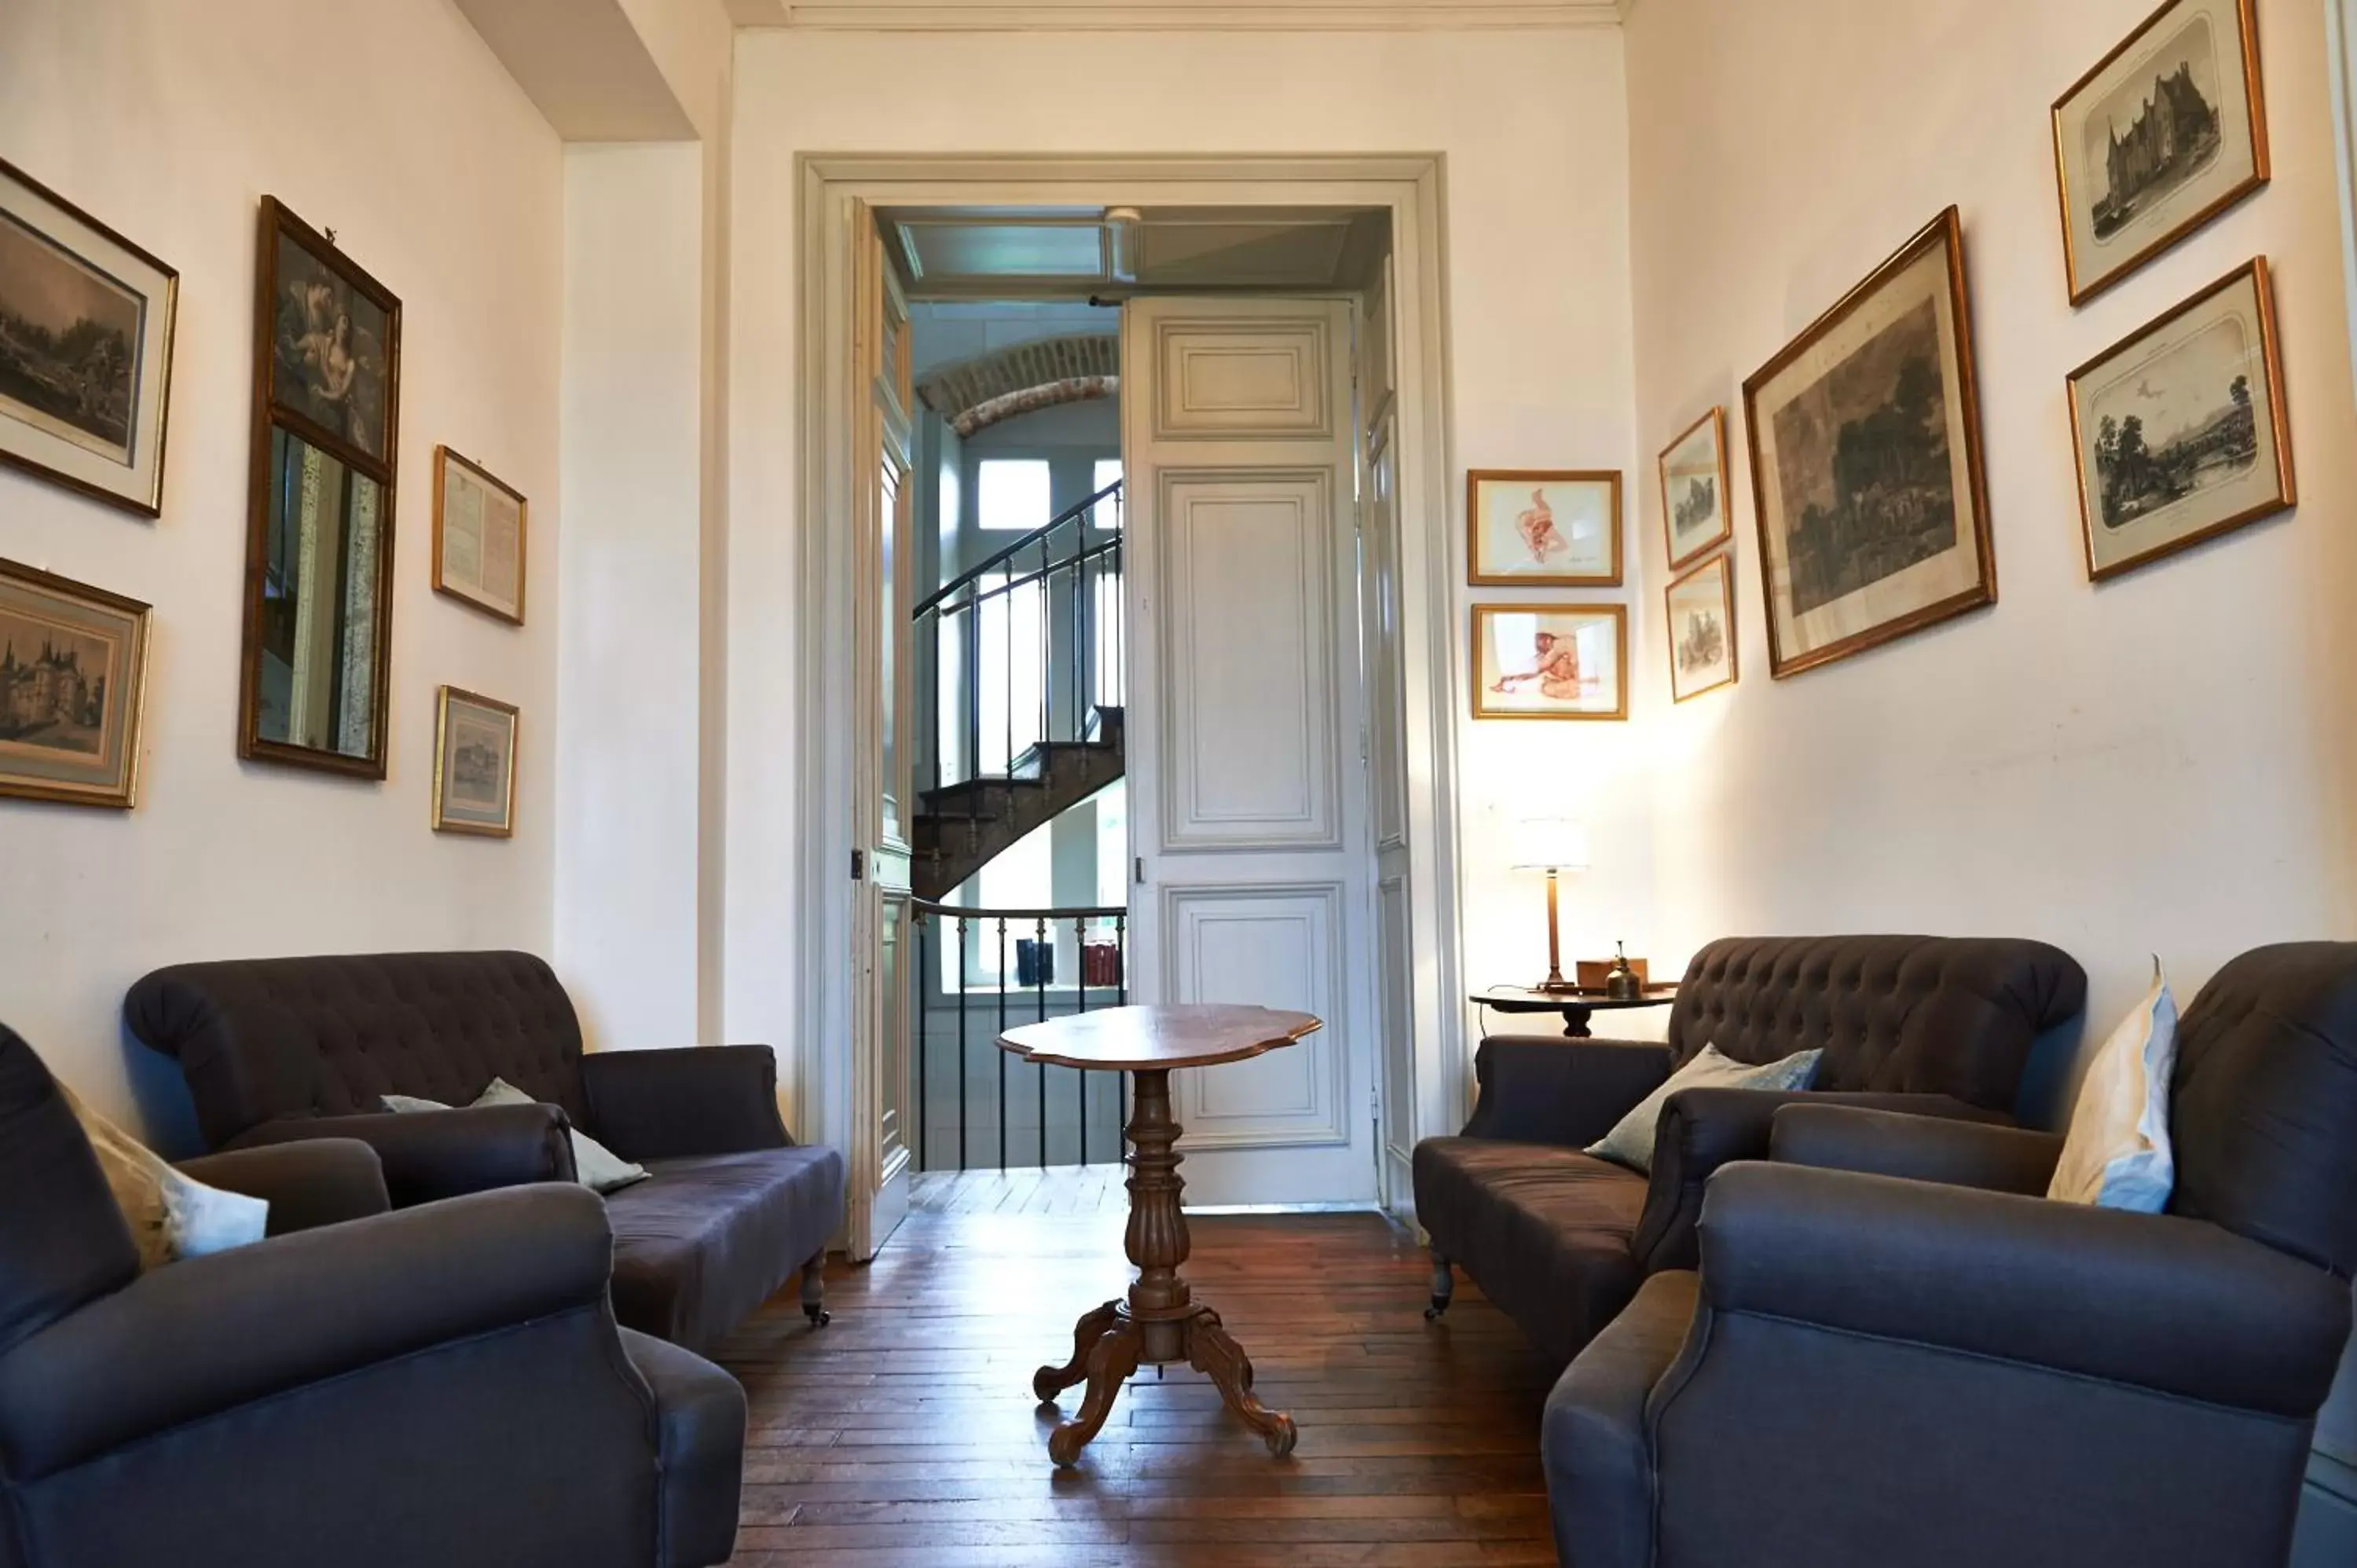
(281, 1050)
(1936, 1026)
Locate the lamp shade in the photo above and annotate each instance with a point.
(1550, 844)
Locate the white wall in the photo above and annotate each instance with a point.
(1533, 129)
(2157, 765)
(392, 124)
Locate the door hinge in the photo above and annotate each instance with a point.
(1141, 871)
(859, 865)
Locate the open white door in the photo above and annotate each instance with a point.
(880, 1156)
(1247, 788)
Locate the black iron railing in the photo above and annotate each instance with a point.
(1066, 586)
(980, 972)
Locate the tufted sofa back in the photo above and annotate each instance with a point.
(265, 1039)
(1951, 1015)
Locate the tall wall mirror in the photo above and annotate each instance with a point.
(319, 607)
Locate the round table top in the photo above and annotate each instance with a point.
(1531, 999)
(1151, 1038)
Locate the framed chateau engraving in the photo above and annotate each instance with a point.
(2180, 429)
(1702, 629)
(73, 672)
(1866, 463)
(2167, 132)
(474, 764)
(1694, 513)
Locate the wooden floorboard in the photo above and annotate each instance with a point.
(906, 1433)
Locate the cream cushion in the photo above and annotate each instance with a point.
(2116, 1154)
(595, 1166)
(171, 1216)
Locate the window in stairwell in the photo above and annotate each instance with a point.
(1013, 495)
(1010, 671)
(1105, 513)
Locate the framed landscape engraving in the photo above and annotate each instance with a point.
(73, 670)
(474, 764)
(1533, 528)
(2179, 431)
(478, 537)
(85, 348)
(1702, 629)
(1866, 463)
(1550, 662)
(319, 601)
(1694, 491)
(2167, 132)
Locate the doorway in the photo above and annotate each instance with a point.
(1384, 932)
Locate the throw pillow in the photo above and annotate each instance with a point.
(171, 1216)
(2115, 1153)
(1630, 1141)
(597, 1167)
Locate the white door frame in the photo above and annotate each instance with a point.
(832, 189)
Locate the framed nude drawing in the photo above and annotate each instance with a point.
(2180, 429)
(474, 764)
(1550, 662)
(1695, 514)
(2168, 131)
(1537, 528)
(1866, 463)
(85, 350)
(478, 537)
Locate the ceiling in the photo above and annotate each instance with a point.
(1172, 16)
(1072, 252)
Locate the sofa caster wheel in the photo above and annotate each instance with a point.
(819, 1316)
(1432, 1314)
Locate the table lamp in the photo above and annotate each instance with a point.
(1551, 844)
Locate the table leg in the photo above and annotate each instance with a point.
(1160, 1324)
(1575, 1017)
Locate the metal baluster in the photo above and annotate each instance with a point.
(1002, 1055)
(924, 1144)
(961, 1059)
(1039, 962)
(973, 674)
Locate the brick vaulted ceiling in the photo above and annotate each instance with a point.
(973, 395)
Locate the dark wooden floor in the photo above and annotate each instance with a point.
(906, 1433)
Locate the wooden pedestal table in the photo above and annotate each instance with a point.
(1160, 1324)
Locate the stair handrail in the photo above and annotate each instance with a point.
(1031, 540)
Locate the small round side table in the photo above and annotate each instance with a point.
(1576, 1007)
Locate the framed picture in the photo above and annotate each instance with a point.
(73, 670)
(474, 764)
(1694, 513)
(1866, 463)
(2180, 430)
(478, 537)
(1550, 662)
(1702, 629)
(1543, 529)
(319, 602)
(85, 348)
(2167, 132)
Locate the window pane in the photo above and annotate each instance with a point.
(1113, 845)
(1105, 514)
(1014, 496)
(1013, 666)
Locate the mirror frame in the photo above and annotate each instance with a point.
(270, 416)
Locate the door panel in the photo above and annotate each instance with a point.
(1247, 803)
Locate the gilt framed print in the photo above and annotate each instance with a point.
(474, 764)
(1530, 528)
(1702, 629)
(1550, 662)
(478, 537)
(318, 652)
(85, 350)
(1866, 463)
(73, 670)
(2180, 430)
(2167, 132)
(1694, 491)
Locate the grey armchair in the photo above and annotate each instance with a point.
(445, 1384)
(1900, 1354)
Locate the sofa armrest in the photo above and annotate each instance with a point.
(2180, 1306)
(433, 1155)
(698, 1100)
(1920, 1148)
(1549, 1089)
(1703, 1129)
(315, 1182)
(207, 1335)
